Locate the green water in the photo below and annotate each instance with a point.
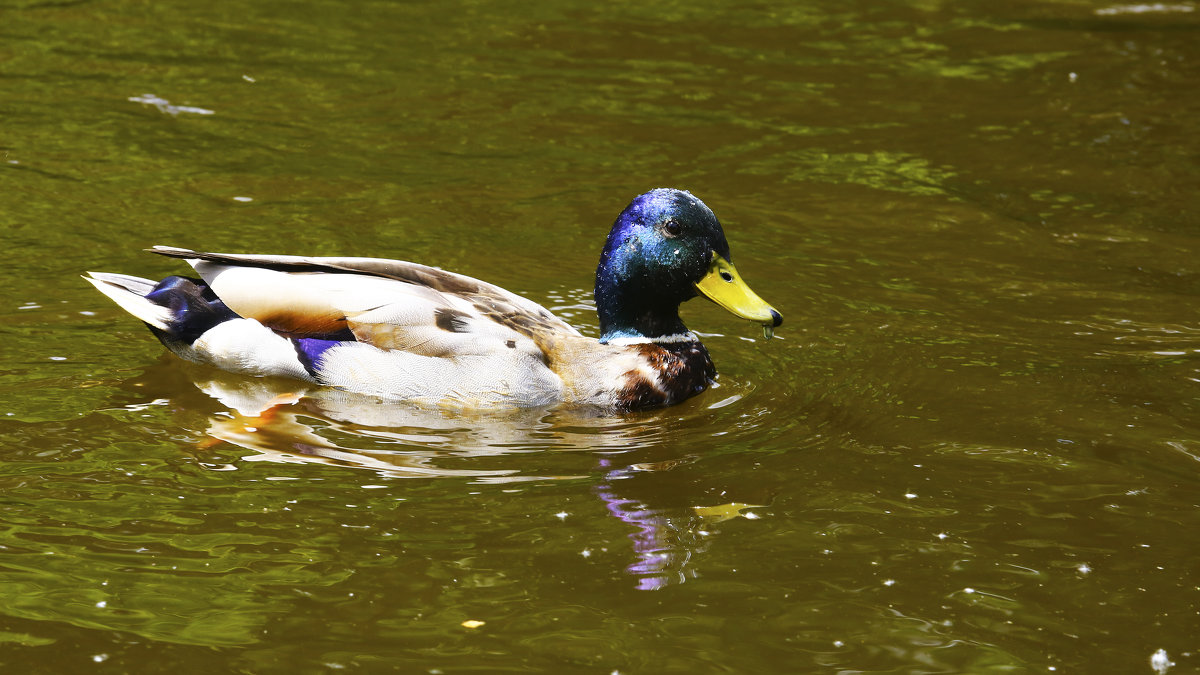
(972, 448)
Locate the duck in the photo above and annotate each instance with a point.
(404, 331)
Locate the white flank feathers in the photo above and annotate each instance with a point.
(247, 346)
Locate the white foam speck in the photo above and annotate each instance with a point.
(1160, 662)
(165, 106)
(1150, 8)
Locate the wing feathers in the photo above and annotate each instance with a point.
(498, 304)
(390, 304)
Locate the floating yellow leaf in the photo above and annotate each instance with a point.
(723, 512)
(472, 623)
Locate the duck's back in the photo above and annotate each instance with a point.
(390, 328)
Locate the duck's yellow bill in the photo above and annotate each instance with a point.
(723, 285)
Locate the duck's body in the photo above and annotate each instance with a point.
(406, 331)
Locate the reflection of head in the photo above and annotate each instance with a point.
(664, 541)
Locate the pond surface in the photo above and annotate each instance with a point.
(973, 447)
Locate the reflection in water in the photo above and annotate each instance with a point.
(665, 540)
(299, 427)
(290, 422)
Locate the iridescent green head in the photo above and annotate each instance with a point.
(665, 248)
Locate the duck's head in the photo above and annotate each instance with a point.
(667, 247)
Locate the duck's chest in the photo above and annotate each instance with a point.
(666, 374)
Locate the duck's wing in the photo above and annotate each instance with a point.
(391, 304)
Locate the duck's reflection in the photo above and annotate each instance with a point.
(664, 541)
(289, 422)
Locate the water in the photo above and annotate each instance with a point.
(972, 447)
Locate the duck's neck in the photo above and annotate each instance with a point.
(628, 315)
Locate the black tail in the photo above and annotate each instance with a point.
(194, 307)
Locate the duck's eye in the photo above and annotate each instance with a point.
(726, 276)
(672, 228)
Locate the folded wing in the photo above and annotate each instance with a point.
(390, 304)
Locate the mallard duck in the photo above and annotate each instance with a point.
(401, 330)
